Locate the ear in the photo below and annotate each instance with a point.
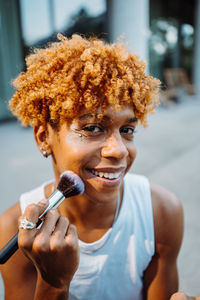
(41, 136)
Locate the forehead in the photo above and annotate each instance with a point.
(110, 114)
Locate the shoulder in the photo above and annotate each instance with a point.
(9, 223)
(164, 201)
(34, 195)
(168, 219)
(10, 216)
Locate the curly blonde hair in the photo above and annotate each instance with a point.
(77, 73)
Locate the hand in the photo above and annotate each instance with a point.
(182, 296)
(53, 248)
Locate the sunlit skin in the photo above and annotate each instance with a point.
(182, 296)
(88, 145)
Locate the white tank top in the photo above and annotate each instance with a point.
(112, 267)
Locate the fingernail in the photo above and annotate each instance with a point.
(43, 202)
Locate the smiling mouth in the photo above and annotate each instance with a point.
(106, 174)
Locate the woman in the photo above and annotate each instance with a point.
(120, 239)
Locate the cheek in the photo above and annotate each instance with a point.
(77, 149)
(132, 153)
(75, 145)
(79, 143)
(68, 152)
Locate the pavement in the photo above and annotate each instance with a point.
(168, 153)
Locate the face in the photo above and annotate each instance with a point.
(99, 149)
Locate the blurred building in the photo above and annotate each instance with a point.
(164, 33)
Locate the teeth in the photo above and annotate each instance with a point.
(106, 175)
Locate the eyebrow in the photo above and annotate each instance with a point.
(105, 118)
(132, 120)
(89, 116)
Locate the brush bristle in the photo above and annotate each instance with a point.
(70, 184)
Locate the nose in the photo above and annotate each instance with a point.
(114, 147)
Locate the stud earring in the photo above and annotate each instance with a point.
(45, 154)
(80, 135)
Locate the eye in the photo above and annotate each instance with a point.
(92, 129)
(128, 132)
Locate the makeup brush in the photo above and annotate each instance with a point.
(70, 184)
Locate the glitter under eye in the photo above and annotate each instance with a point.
(74, 138)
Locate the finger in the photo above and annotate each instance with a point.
(49, 223)
(72, 237)
(57, 240)
(33, 211)
(41, 243)
(61, 228)
(181, 296)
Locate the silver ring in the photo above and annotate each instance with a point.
(26, 224)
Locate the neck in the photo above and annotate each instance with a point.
(87, 214)
(92, 219)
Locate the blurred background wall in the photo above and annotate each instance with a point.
(164, 33)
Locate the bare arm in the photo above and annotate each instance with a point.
(161, 278)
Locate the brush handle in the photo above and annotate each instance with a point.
(9, 249)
